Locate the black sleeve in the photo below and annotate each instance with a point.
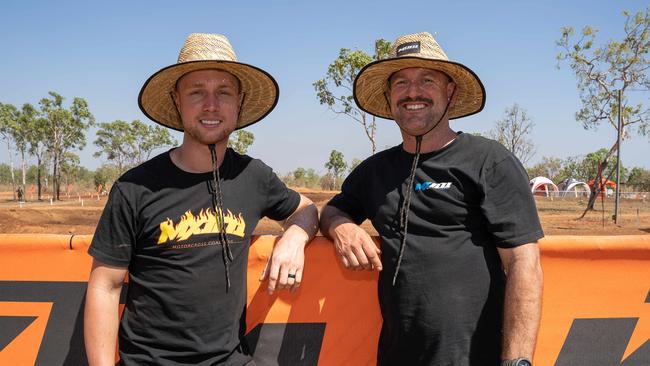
(281, 201)
(509, 206)
(114, 237)
(350, 199)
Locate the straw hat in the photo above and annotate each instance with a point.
(417, 50)
(208, 51)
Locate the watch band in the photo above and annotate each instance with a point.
(521, 361)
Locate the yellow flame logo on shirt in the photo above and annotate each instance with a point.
(206, 222)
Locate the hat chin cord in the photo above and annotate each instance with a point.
(217, 205)
(406, 205)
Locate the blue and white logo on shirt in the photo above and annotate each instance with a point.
(431, 185)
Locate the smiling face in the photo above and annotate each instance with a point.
(208, 102)
(418, 98)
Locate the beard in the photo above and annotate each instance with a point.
(416, 124)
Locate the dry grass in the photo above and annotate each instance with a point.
(558, 216)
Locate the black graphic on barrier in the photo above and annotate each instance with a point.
(62, 344)
(11, 327)
(602, 342)
(286, 344)
(590, 342)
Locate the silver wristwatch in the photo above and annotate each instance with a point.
(522, 361)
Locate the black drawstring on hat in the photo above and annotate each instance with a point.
(217, 204)
(405, 210)
(406, 206)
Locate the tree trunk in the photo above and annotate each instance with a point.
(13, 179)
(55, 177)
(596, 188)
(38, 175)
(11, 167)
(24, 167)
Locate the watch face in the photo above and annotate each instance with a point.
(524, 363)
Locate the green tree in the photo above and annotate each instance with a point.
(149, 138)
(22, 133)
(512, 131)
(65, 129)
(592, 160)
(8, 122)
(312, 178)
(70, 167)
(335, 90)
(302, 177)
(549, 167)
(105, 175)
(299, 174)
(602, 71)
(573, 167)
(584, 168)
(116, 141)
(639, 178)
(5, 173)
(242, 141)
(32, 173)
(129, 144)
(86, 177)
(36, 138)
(336, 166)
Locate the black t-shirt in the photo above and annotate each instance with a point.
(468, 199)
(159, 222)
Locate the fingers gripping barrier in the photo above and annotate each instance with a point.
(596, 304)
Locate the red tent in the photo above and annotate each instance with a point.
(603, 185)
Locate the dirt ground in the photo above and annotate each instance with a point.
(79, 215)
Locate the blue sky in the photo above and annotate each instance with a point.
(104, 51)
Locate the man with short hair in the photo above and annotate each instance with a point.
(181, 223)
(460, 280)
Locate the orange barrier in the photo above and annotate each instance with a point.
(596, 304)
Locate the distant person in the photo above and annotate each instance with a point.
(181, 223)
(460, 281)
(20, 193)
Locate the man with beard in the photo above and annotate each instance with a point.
(460, 281)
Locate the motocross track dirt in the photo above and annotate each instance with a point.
(559, 215)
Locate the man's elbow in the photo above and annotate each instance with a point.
(326, 214)
(306, 210)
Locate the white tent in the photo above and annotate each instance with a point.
(540, 186)
(573, 186)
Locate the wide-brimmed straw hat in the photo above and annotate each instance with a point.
(208, 51)
(417, 50)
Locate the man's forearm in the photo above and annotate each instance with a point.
(101, 321)
(522, 309)
(331, 217)
(304, 220)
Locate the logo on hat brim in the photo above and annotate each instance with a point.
(417, 50)
(371, 84)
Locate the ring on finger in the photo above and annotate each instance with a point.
(291, 275)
